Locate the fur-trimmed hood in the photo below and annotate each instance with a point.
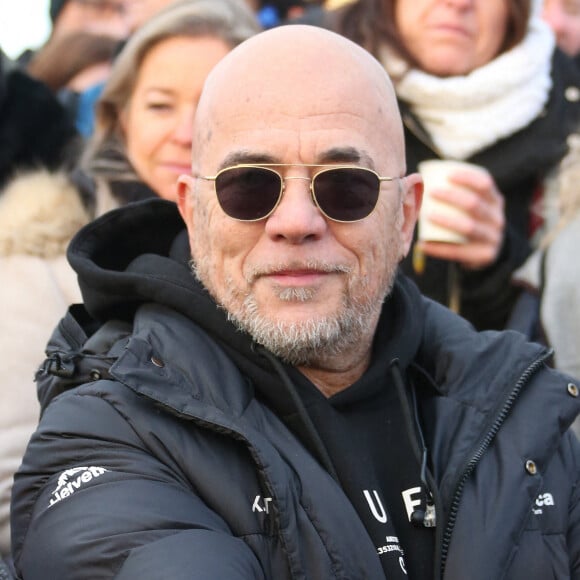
(40, 212)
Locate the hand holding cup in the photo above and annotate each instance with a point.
(462, 215)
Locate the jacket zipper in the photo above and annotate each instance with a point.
(471, 464)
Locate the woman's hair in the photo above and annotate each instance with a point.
(64, 57)
(371, 23)
(230, 20)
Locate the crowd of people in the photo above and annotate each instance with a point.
(227, 347)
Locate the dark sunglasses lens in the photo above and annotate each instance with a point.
(248, 193)
(347, 194)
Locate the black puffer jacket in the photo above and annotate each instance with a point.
(167, 463)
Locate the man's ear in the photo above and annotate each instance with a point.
(412, 197)
(185, 185)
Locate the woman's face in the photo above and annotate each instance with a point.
(452, 37)
(158, 119)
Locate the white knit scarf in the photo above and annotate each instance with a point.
(466, 114)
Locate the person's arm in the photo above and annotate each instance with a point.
(488, 295)
(118, 510)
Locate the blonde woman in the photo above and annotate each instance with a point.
(142, 137)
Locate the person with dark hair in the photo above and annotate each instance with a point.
(252, 391)
(480, 82)
(101, 17)
(83, 33)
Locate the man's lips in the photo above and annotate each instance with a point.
(296, 277)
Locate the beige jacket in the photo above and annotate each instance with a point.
(39, 213)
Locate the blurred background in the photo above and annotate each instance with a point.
(23, 24)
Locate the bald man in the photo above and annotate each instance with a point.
(252, 391)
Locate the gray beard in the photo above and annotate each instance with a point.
(305, 343)
(309, 342)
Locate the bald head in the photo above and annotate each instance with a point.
(302, 71)
(311, 52)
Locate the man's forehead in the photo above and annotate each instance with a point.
(295, 62)
(293, 43)
(296, 83)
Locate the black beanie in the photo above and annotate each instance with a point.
(55, 8)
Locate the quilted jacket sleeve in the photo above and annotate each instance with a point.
(573, 537)
(91, 501)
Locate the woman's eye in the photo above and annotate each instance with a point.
(159, 106)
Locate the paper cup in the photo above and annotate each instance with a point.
(435, 173)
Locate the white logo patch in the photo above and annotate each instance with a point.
(542, 501)
(72, 479)
(264, 506)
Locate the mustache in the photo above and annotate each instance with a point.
(321, 266)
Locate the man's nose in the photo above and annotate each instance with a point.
(297, 217)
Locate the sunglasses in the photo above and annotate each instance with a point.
(250, 193)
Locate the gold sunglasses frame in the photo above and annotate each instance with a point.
(270, 167)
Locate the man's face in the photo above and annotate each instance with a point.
(301, 284)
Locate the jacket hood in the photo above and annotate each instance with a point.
(124, 259)
(140, 253)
